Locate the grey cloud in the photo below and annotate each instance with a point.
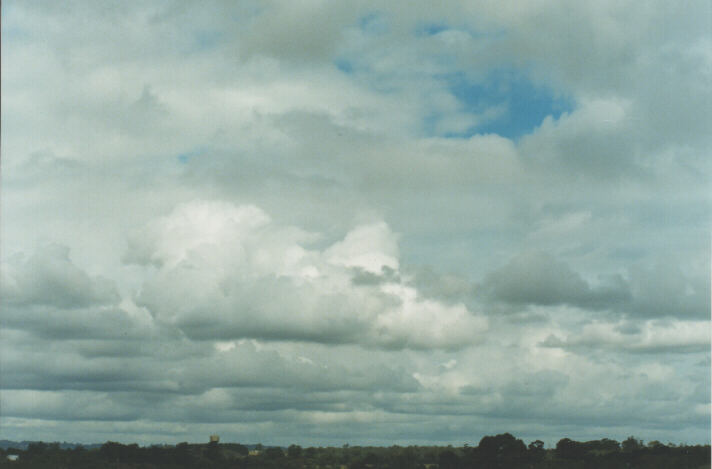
(30, 361)
(449, 287)
(533, 397)
(364, 278)
(149, 107)
(49, 278)
(276, 399)
(269, 308)
(268, 388)
(666, 290)
(523, 389)
(535, 277)
(286, 31)
(542, 384)
(175, 367)
(78, 323)
(249, 368)
(588, 144)
(538, 278)
(67, 406)
(650, 337)
(628, 328)
(48, 296)
(66, 370)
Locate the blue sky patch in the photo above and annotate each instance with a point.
(185, 157)
(204, 39)
(12, 29)
(344, 65)
(374, 23)
(526, 103)
(430, 29)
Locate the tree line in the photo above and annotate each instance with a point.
(502, 451)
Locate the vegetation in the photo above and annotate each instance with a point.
(493, 452)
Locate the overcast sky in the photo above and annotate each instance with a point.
(355, 222)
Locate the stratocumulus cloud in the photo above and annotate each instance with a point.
(321, 222)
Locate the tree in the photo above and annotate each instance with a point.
(502, 450)
(213, 451)
(37, 448)
(182, 455)
(567, 448)
(631, 444)
(370, 459)
(242, 450)
(310, 453)
(294, 451)
(112, 451)
(403, 458)
(536, 451)
(609, 446)
(274, 453)
(448, 460)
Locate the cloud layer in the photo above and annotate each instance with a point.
(327, 222)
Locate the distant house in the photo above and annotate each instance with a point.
(13, 457)
(215, 438)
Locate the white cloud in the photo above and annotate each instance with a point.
(371, 248)
(237, 201)
(228, 272)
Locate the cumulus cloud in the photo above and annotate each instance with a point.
(49, 278)
(229, 272)
(335, 233)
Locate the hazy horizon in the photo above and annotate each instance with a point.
(324, 223)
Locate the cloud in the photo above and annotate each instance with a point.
(372, 249)
(537, 278)
(73, 405)
(49, 278)
(283, 30)
(588, 141)
(286, 233)
(82, 323)
(228, 272)
(663, 289)
(649, 337)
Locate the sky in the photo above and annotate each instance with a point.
(357, 222)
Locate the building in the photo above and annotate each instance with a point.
(215, 438)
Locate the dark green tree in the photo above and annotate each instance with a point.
(502, 451)
(212, 452)
(448, 460)
(567, 448)
(242, 450)
(274, 453)
(536, 451)
(294, 451)
(631, 444)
